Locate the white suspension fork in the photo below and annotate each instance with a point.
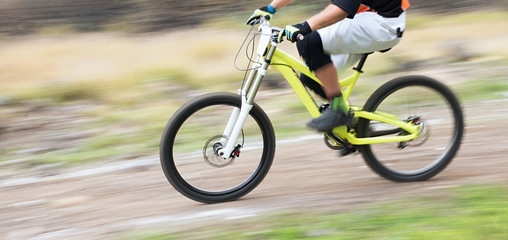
(238, 117)
(230, 125)
(236, 112)
(241, 116)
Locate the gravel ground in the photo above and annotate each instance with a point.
(102, 201)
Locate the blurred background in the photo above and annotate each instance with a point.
(23, 17)
(89, 83)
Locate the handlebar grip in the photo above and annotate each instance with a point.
(300, 37)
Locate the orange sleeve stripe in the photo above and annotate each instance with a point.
(363, 8)
(405, 4)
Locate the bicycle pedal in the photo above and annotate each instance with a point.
(332, 141)
(346, 151)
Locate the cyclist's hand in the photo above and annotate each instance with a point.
(261, 12)
(292, 32)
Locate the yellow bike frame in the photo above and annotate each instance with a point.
(287, 65)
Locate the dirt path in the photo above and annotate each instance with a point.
(97, 202)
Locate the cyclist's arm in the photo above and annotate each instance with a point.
(330, 15)
(327, 17)
(278, 4)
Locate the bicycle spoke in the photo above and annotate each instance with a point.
(430, 106)
(197, 162)
(434, 113)
(193, 138)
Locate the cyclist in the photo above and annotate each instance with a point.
(334, 40)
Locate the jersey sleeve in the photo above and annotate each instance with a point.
(350, 6)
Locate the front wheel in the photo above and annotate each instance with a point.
(422, 101)
(190, 143)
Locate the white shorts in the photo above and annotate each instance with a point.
(367, 32)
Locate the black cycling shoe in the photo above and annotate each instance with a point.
(328, 120)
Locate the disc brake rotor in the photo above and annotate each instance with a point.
(210, 153)
(423, 135)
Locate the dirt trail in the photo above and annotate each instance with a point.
(98, 202)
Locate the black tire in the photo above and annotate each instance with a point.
(442, 129)
(205, 177)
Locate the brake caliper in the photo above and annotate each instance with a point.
(416, 120)
(236, 151)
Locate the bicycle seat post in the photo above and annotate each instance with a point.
(361, 62)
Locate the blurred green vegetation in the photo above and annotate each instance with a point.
(467, 212)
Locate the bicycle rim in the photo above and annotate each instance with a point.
(189, 158)
(434, 108)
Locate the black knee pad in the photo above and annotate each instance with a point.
(311, 50)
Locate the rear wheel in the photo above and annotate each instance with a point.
(190, 143)
(424, 102)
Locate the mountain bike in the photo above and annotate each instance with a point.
(219, 146)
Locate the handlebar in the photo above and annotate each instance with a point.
(275, 30)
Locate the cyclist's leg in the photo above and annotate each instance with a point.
(311, 49)
(364, 33)
(320, 62)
